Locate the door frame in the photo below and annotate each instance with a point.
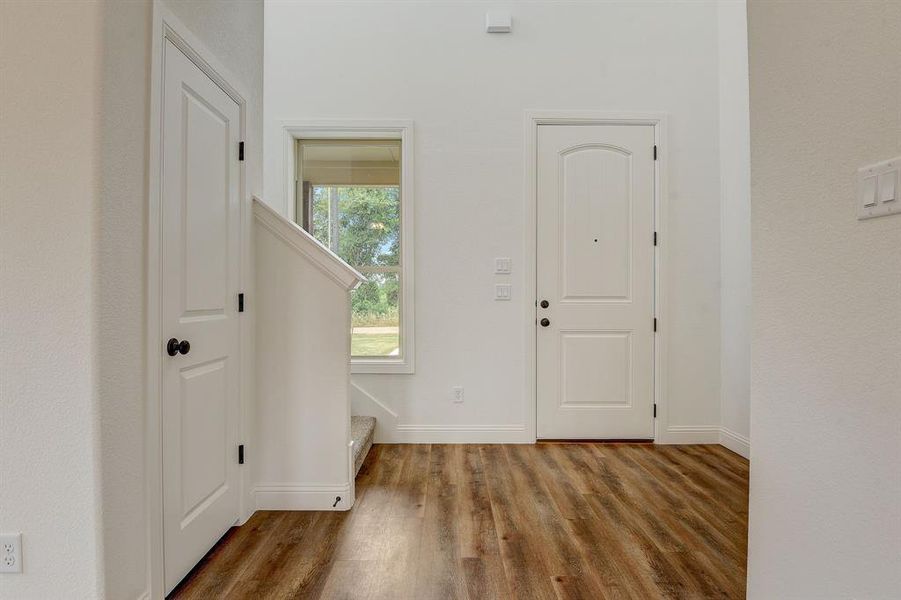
(167, 27)
(532, 119)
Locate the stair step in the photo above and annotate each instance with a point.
(362, 430)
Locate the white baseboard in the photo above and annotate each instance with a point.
(689, 434)
(286, 496)
(458, 434)
(706, 434)
(517, 434)
(735, 442)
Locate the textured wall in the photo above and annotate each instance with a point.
(49, 139)
(826, 343)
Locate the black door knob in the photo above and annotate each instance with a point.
(545, 322)
(545, 304)
(173, 347)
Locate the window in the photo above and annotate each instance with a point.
(349, 196)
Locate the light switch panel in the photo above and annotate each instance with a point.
(503, 266)
(497, 21)
(878, 189)
(503, 291)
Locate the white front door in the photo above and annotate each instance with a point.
(199, 245)
(595, 281)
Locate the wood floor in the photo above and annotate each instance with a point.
(532, 522)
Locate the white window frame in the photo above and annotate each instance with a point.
(365, 129)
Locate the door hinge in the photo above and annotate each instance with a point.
(241, 302)
(655, 238)
(655, 410)
(655, 323)
(241, 151)
(240, 454)
(655, 151)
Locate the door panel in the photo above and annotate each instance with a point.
(204, 472)
(583, 384)
(206, 171)
(595, 261)
(596, 231)
(200, 240)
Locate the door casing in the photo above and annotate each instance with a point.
(166, 26)
(532, 120)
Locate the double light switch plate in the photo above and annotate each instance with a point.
(879, 189)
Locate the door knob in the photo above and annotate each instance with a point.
(545, 322)
(545, 304)
(173, 347)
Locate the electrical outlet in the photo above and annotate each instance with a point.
(458, 395)
(11, 553)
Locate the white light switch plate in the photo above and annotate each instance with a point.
(503, 291)
(497, 21)
(879, 189)
(503, 266)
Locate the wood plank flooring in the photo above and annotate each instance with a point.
(503, 521)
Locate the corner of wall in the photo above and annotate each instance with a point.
(735, 240)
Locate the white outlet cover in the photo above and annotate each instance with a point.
(458, 395)
(11, 553)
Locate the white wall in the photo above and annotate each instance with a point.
(49, 460)
(466, 91)
(825, 507)
(74, 143)
(735, 294)
(301, 460)
(119, 293)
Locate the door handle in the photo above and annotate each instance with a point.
(545, 322)
(545, 304)
(173, 347)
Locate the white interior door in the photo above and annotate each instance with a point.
(200, 241)
(595, 281)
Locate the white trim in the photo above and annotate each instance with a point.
(461, 427)
(690, 434)
(532, 119)
(374, 129)
(735, 442)
(351, 476)
(309, 247)
(166, 26)
(459, 434)
(292, 496)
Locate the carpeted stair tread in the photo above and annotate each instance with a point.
(362, 430)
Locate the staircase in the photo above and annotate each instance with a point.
(361, 431)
